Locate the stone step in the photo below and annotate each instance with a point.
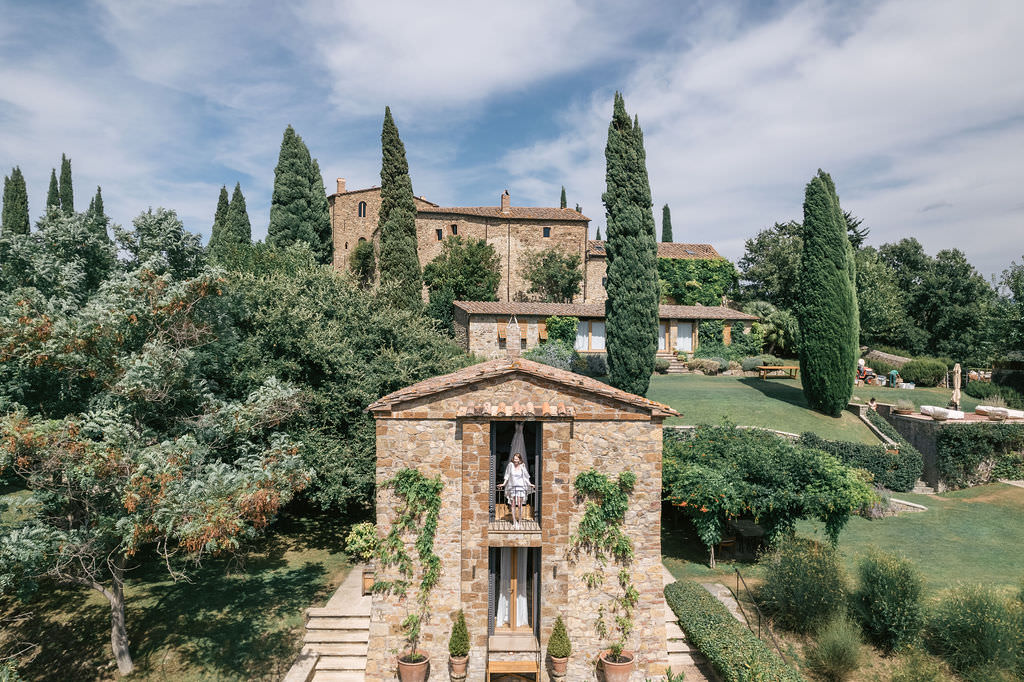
(354, 648)
(338, 623)
(341, 663)
(340, 676)
(328, 611)
(335, 636)
(677, 646)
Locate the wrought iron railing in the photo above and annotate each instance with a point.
(501, 512)
(760, 616)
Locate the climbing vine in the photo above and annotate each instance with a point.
(600, 534)
(420, 508)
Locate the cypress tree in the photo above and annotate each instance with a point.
(96, 215)
(237, 230)
(293, 208)
(563, 203)
(827, 310)
(15, 213)
(599, 234)
(631, 309)
(321, 214)
(666, 224)
(53, 194)
(220, 217)
(399, 261)
(67, 194)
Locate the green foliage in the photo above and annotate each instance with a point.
(161, 235)
(558, 355)
(632, 305)
(15, 212)
(597, 365)
(749, 364)
(984, 390)
(458, 643)
(554, 276)
(734, 651)
(559, 645)
(835, 654)
(465, 270)
(880, 301)
(887, 601)
(97, 217)
(770, 267)
(237, 230)
(661, 365)
(974, 626)
(220, 217)
(890, 431)
(895, 471)
(666, 224)
(296, 211)
(67, 192)
(320, 213)
(717, 473)
(697, 281)
(364, 264)
(362, 541)
(562, 329)
(706, 365)
(924, 371)
(804, 585)
(917, 666)
(398, 260)
(53, 193)
(827, 309)
(961, 449)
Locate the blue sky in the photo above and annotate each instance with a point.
(916, 107)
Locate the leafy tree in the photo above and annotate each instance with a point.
(67, 193)
(770, 266)
(15, 212)
(857, 234)
(363, 263)
(465, 270)
(554, 276)
(160, 233)
(562, 329)
(220, 217)
(563, 203)
(697, 281)
(296, 211)
(1010, 325)
(879, 300)
(53, 194)
(828, 307)
(631, 309)
(151, 461)
(398, 259)
(666, 224)
(958, 308)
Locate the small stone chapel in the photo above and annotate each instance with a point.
(506, 561)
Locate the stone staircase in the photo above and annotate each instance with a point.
(676, 366)
(683, 657)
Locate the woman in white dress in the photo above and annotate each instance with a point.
(517, 485)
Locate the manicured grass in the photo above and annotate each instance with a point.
(918, 396)
(749, 401)
(235, 620)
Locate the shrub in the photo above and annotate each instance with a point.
(751, 363)
(917, 666)
(562, 329)
(924, 371)
(962, 449)
(750, 343)
(704, 365)
(559, 645)
(362, 541)
(661, 365)
(895, 471)
(597, 364)
(989, 392)
(973, 626)
(835, 654)
(555, 354)
(723, 364)
(458, 643)
(888, 600)
(734, 651)
(804, 584)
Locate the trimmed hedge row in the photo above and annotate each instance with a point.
(963, 448)
(893, 471)
(736, 654)
(983, 390)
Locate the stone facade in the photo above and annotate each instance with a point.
(443, 427)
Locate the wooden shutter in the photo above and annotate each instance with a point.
(493, 469)
(542, 331)
(492, 586)
(502, 329)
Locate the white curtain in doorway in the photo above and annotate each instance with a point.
(504, 588)
(522, 610)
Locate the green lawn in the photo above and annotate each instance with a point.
(236, 620)
(749, 401)
(918, 396)
(972, 535)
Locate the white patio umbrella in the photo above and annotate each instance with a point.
(956, 386)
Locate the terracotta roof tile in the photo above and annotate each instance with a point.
(504, 366)
(376, 188)
(681, 312)
(665, 250)
(514, 212)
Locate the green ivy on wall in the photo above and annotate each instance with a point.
(697, 280)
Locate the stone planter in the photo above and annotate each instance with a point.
(558, 666)
(903, 411)
(458, 667)
(617, 672)
(413, 671)
(369, 578)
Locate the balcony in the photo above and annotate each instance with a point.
(501, 514)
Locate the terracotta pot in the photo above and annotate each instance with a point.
(415, 671)
(458, 664)
(558, 665)
(369, 578)
(616, 672)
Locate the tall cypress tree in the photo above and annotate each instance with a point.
(828, 301)
(321, 214)
(399, 260)
(294, 211)
(237, 229)
(53, 194)
(67, 194)
(96, 216)
(15, 213)
(563, 203)
(666, 224)
(220, 217)
(631, 309)
(599, 234)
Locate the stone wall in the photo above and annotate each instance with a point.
(593, 281)
(347, 227)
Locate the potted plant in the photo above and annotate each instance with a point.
(458, 647)
(616, 663)
(559, 648)
(903, 406)
(362, 541)
(413, 665)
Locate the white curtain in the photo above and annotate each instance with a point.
(684, 336)
(661, 336)
(522, 598)
(597, 336)
(504, 588)
(581, 335)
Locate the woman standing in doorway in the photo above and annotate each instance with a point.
(517, 477)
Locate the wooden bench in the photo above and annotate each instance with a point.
(790, 370)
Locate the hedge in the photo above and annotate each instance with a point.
(892, 434)
(963, 448)
(736, 654)
(898, 471)
(924, 371)
(983, 390)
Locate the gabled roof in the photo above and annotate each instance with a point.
(376, 188)
(680, 312)
(514, 212)
(665, 250)
(507, 366)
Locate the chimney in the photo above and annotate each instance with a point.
(341, 185)
(506, 202)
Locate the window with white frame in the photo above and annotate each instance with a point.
(590, 335)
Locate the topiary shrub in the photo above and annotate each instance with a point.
(835, 654)
(559, 645)
(972, 626)
(804, 585)
(887, 601)
(661, 365)
(924, 371)
(458, 643)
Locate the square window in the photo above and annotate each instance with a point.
(547, 231)
(440, 234)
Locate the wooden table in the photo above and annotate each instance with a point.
(790, 370)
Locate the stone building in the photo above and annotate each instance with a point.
(514, 231)
(481, 327)
(512, 582)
